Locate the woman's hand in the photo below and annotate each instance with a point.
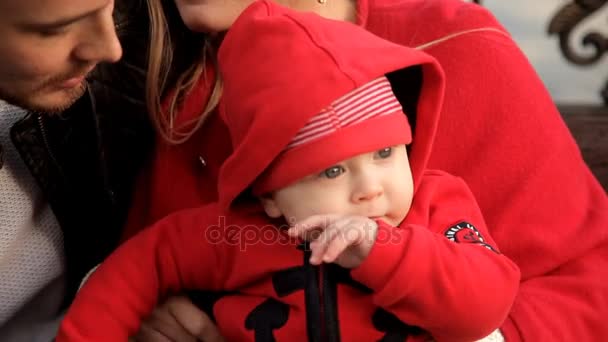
(178, 320)
(342, 239)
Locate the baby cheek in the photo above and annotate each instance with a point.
(299, 209)
(319, 206)
(401, 196)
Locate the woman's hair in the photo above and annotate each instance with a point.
(176, 60)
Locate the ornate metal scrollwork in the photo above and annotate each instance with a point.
(567, 18)
(563, 24)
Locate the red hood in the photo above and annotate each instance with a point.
(281, 67)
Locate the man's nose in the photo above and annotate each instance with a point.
(101, 43)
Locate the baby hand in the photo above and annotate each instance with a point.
(342, 239)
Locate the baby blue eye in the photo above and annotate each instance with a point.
(385, 152)
(332, 172)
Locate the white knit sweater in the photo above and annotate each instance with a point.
(31, 248)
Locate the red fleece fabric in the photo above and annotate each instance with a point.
(413, 271)
(439, 271)
(499, 131)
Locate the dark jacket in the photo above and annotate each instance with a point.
(85, 160)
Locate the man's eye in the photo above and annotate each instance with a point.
(332, 172)
(55, 32)
(385, 152)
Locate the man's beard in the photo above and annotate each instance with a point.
(29, 103)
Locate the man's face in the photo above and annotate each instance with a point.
(49, 46)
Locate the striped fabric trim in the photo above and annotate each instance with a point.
(374, 99)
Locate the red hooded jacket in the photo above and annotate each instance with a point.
(498, 130)
(438, 272)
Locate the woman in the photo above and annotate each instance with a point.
(499, 131)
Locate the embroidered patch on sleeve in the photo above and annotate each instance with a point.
(465, 232)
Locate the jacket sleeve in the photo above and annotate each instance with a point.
(500, 131)
(165, 258)
(440, 270)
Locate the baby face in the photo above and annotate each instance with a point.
(376, 184)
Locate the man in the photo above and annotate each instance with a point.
(70, 157)
(73, 135)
